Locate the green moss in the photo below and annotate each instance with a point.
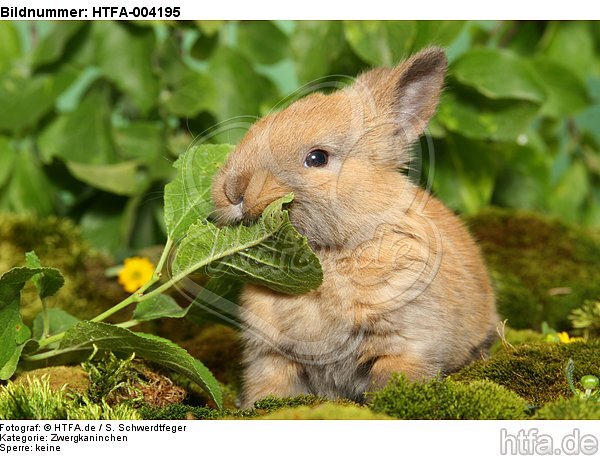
(69, 378)
(59, 244)
(536, 372)
(35, 399)
(572, 408)
(264, 407)
(542, 268)
(180, 412)
(328, 411)
(272, 403)
(114, 380)
(586, 319)
(446, 399)
(516, 337)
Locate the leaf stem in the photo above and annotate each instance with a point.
(46, 317)
(138, 296)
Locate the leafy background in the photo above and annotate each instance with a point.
(93, 113)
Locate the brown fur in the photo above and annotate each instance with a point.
(405, 288)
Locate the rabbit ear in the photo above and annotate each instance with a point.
(409, 92)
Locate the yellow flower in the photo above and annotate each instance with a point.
(566, 339)
(136, 272)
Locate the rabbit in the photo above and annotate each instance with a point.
(405, 288)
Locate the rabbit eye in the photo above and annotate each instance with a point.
(316, 158)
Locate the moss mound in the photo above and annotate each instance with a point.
(182, 412)
(512, 337)
(265, 407)
(446, 399)
(272, 403)
(35, 400)
(536, 372)
(327, 411)
(569, 409)
(58, 378)
(114, 380)
(542, 268)
(59, 244)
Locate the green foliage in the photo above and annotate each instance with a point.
(512, 337)
(87, 132)
(447, 399)
(541, 369)
(111, 378)
(587, 319)
(89, 336)
(269, 252)
(187, 197)
(542, 268)
(58, 243)
(35, 400)
(572, 408)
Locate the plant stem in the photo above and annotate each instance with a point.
(46, 317)
(128, 324)
(138, 296)
(163, 257)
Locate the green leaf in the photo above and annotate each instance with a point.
(87, 335)
(104, 223)
(567, 95)
(10, 44)
(60, 321)
(464, 173)
(146, 143)
(48, 282)
(191, 93)
(571, 44)
(29, 189)
(187, 198)
(524, 181)
(141, 140)
(262, 41)
(125, 54)
(10, 366)
(240, 89)
(13, 332)
(499, 120)
(84, 135)
(270, 252)
(8, 156)
(569, 194)
(589, 120)
(26, 99)
(161, 306)
(124, 178)
(316, 44)
(439, 33)
(217, 302)
(52, 46)
(499, 74)
(381, 42)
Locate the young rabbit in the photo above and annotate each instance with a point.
(405, 288)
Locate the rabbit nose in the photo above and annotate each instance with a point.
(235, 188)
